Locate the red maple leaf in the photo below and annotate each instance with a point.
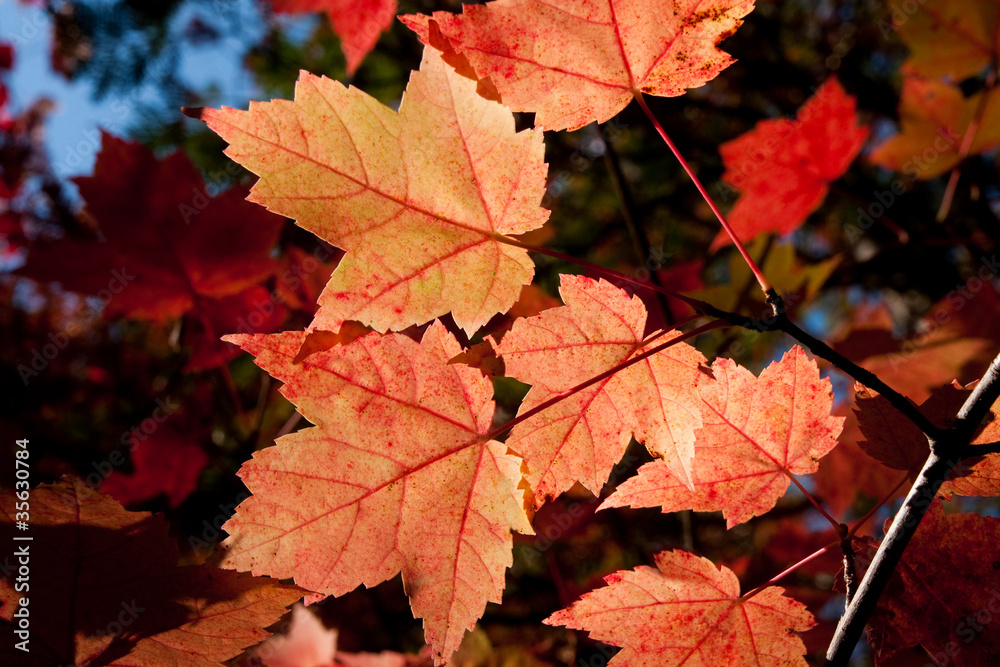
(945, 593)
(783, 167)
(164, 244)
(358, 23)
(900, 444)
(169, 461)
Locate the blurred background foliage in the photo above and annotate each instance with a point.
(618, 198)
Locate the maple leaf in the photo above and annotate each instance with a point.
(112, 590)
(899, 444)
(942, 559)
(166, 245)
(584, 61)
(395, 477)
(953, 39)
(934, 117)
(583, 436)
(890, 436)
(447, 174)
(357, 24)
(306, 643)
(254, 310)
(168, 461)
(687, 611)
(756, 434)
(784, 167)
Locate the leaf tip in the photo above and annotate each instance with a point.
(193, 112)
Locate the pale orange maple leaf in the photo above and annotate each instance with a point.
(583, 436)
(396, 476)
(688, 612)
(309, 643)
(416, 198)
(580, 61)
(757, 433)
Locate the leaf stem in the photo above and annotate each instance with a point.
(765, 285)
(833, 522)
(781, 575)
(503, 428)
(863, 520)
(596, 268)
(963, 151)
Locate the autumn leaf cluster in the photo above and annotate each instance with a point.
(396, 357)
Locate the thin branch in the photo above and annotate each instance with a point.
(850, 572)
(778, 322)
(503, 428)
(904, 525)
(982, 450)
(833, 522)
(936, 469)
(862, 375)
(978, 405)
